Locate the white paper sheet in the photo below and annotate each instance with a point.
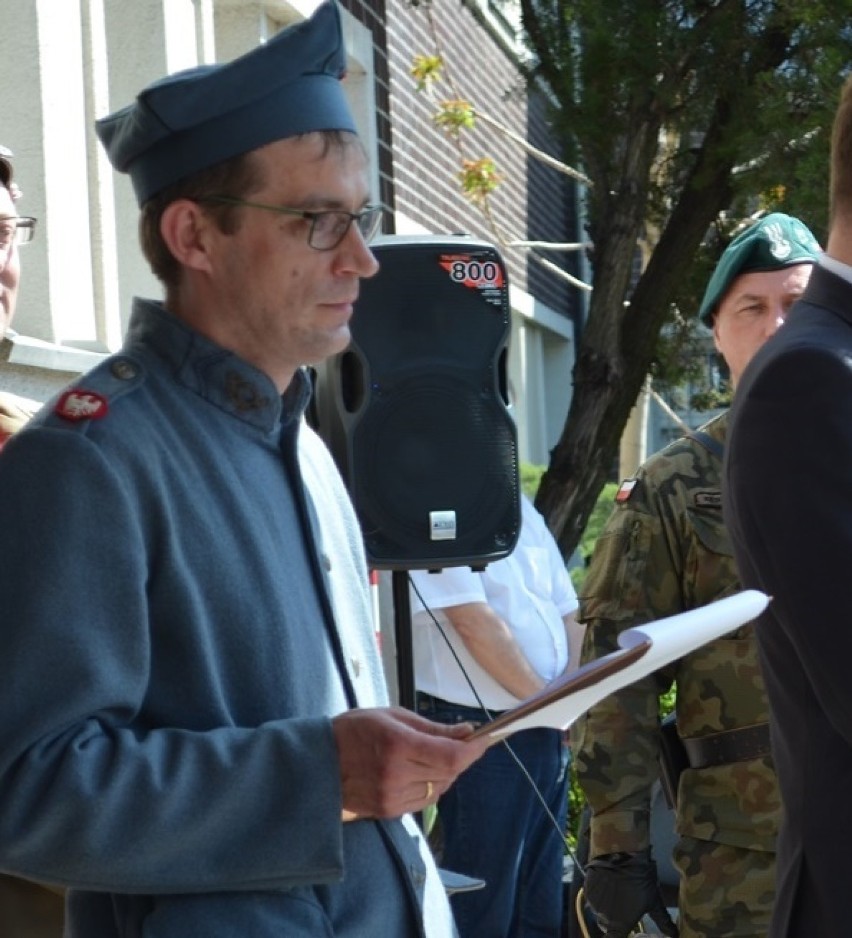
(644, 649)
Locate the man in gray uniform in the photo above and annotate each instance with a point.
(195, 737)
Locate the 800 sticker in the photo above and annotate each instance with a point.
(476, 273)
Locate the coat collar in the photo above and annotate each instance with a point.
(829, 291)
(213, 372)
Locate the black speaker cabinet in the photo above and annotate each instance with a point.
(415, 411)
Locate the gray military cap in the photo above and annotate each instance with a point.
(196, 118)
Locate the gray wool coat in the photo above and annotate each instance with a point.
(184, 608)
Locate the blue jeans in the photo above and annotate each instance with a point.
(496, 829)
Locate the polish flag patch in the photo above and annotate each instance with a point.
(81, 405)
(625, 490)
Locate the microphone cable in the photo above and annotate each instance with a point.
(505, 742)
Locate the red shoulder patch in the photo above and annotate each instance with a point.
(81, 405)
(625, 490)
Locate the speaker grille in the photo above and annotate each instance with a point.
(415, 411)
(436, 444)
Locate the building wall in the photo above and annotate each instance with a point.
(68, 63)
(532, 203)
(77, 60)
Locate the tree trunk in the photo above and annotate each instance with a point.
(606, 387)
(619, 342)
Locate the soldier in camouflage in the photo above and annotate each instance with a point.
(665, 550)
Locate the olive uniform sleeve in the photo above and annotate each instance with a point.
(634, 578)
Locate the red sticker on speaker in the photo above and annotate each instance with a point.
(482, 273)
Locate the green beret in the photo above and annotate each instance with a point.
(193, 119)
(772, 243)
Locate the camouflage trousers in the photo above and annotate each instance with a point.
(725, 892)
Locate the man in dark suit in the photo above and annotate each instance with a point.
(788, 506)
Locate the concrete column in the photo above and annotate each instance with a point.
(145, 40)
(22, 107)
(633, 449)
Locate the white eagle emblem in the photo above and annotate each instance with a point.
(81, 405)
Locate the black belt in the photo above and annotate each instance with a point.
(740, 745)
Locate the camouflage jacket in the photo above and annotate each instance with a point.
(665, 550)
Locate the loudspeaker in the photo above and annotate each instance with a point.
(415, 412)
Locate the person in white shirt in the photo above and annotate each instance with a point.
(483, 641)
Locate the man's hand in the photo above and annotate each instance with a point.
(621, 888)
(393, 761)
(14, 413)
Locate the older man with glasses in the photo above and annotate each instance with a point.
(27, 909)
(15, 230)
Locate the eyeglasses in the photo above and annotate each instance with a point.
(16, 229)
(328, 227)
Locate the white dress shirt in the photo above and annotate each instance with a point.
(530, 590)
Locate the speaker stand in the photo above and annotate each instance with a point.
(452, 882)
(404, 648)
(402, 633)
